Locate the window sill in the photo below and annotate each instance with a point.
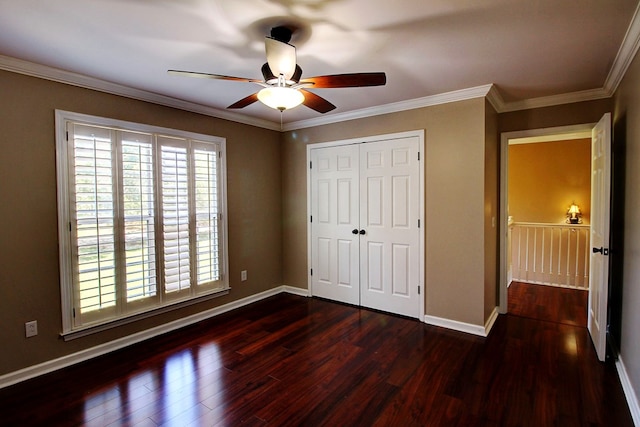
(90, 330)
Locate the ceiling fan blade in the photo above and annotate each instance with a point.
(245, 101)
(281, 57)
(346, 80)
(316, 102)
(211, 76)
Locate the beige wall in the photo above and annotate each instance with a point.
(454, 174)
(29, 274)
(559, 115)
(544, 178)
(627, 130)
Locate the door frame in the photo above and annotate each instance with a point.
(420, 134)
(539, 135)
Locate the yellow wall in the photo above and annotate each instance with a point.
(545, 178)
(29, 273)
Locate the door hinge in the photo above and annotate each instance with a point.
(74, 312)
(69, 225)
(67, 132)
(418, 223)
(311, 218)
(418, 290)
(312, 271)
(310, 165)
(418, 156)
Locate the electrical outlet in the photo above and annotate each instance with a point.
(243, 275)
(31, 328)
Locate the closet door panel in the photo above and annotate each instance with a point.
(334, 216)
(389, 198)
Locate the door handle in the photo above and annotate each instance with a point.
(362, 232)
(354, 231)
(603, 251)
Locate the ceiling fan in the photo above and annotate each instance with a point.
(283, 87)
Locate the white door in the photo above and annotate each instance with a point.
(389, 214)
(599, 262)
(334, 217)
(365, 237)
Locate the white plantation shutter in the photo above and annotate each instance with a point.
(175, 215)
(138, 200)
(93, 206)
(140, 217)
(207, 214)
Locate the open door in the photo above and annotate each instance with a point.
(600, 212)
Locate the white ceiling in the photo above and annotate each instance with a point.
(529, 49)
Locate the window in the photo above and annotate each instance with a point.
(141, 219)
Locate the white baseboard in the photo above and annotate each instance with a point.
(296, 291)
(99, 350)
(490, 321)
(468, 328)
(455, 325)
(629, 392)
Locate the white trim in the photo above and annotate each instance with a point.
(629, 392)
(490, 321)
(495, 99)
(365, 139)
(467, 328)
(411, 104)
(99, 350)
(296, 291)
(626, 53)
(561, 99)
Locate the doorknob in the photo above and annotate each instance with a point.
(354, 231)
(362, 232)
(596, 250)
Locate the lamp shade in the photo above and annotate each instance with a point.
(574, 214)
(574, 209)
(281, 98)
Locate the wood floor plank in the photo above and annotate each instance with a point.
(292, 361)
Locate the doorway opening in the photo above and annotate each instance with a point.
(597, 249)
(543, 253)
(548, 249)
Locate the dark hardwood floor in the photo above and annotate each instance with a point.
(560, 305)
(292, 361)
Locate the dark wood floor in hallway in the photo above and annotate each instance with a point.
(289, 361)
(553, 304)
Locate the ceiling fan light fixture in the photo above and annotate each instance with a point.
(281, 98)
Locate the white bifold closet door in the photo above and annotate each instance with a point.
(365, 225)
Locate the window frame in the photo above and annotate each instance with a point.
(163, 301)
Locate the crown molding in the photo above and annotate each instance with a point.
(67, 77)
(495, 99)
(626, 53)
(443, 98)
(549, 101)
